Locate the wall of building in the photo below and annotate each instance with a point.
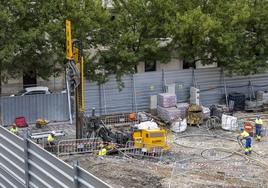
(199, 65)
(174, 64)
(55, 84)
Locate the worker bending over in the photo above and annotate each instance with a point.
(102, 151)
(51, 139)
(14, 129)
(245, 135)
(258, 127)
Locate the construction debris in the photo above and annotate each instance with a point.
(198, 158)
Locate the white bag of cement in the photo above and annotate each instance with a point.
(229, 123)
(166, 100)
(206, 112)
(179, 126)
(148, 125)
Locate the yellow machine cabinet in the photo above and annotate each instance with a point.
(150, 138)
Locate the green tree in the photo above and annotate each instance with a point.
(233, 34)
(230, 33)
(7, 42)
(131, 35)
(37, 33)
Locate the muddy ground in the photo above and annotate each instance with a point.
(198, 159)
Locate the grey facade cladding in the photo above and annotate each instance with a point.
(107, 99)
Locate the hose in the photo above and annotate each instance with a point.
(260, 163)
(219, 149)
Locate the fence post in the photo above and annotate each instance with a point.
(75, 167)
(100, 101)
(26, 156)
(133, 91)
(163, 81)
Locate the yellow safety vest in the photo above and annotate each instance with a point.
(14, 130)
(50, 138)
(259, 121)
(102, 152)
(244, 134)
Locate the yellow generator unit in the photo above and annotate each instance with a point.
(150, 139)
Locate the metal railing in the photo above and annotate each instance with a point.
(78, 146)
(116, 120)
(144, 150)
(25, 164)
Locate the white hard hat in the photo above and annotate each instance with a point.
(53, 132)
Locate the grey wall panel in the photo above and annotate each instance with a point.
(45, 155)
(146, 84)
(92, 97)
(183, 81)
(8, 180)
(44, 169)
(91, 180)
(53, 107)
(55, 177)
(108, 100)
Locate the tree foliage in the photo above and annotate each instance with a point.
(230, 33)
(234, 34)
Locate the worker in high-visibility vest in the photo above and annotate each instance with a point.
(258, 127)
(51, 138)
(102, 151)
(244, 135)
(14, 129)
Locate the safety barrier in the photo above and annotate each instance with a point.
(143, 150)
(25, 164)
(116, 120)
(78, 146)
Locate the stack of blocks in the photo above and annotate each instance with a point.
(166, 107)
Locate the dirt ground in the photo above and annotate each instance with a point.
(198, 159)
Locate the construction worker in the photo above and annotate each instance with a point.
(14, 129)
(258, 127)
(102, 151)
(244, 134)
(51, 138)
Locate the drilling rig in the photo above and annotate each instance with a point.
(75, 76)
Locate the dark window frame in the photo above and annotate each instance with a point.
(150, 66)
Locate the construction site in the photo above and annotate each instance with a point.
(187, 128)
(198, 156)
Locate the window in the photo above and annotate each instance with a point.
(20, 92)
(150, 66)
(156, 135)
(29, 79)
(187, 65)
(36, 92)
